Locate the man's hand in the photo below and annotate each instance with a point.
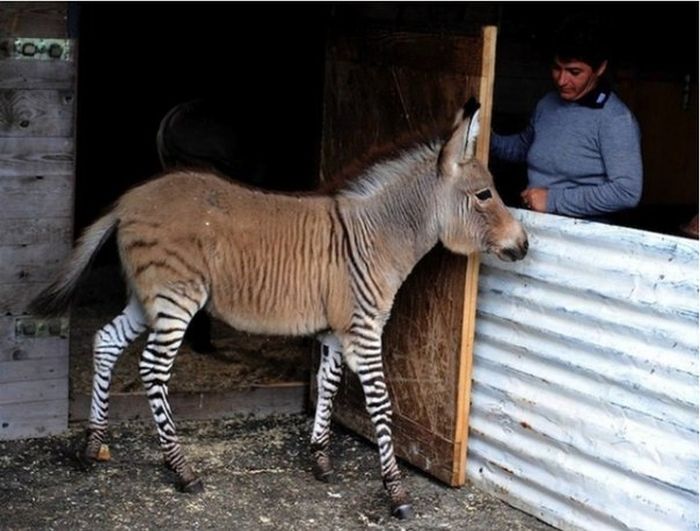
(535, 199)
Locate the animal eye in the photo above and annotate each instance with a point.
(484, 195)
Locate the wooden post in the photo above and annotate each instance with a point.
(471, 284)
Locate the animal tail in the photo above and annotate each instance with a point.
(56, 298)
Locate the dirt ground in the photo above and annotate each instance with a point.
(257, 475)
(256, 470)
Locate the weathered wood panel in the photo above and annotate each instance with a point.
(36, 196)
(23, 232)
(37, 159)
(36, 113)
(18, 349)
(33, 419)
(33, 370)
(20, 157)
(33, 391)
(34, 19)
(378, 88)
(37, 75)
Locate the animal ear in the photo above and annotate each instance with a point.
(472, 134)
(461, 145)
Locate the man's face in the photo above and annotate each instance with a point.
(574, 79)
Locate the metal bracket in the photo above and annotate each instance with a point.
(38, 49)
(31, 327)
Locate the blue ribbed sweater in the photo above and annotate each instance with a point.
(588, 158)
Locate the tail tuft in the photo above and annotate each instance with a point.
(57, 298)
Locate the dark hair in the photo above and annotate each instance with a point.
(584, 38)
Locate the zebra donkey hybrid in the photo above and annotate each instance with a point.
(273, 263)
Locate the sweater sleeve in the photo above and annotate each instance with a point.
(620, 151)
(512, 148)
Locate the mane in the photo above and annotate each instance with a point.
(386, 171)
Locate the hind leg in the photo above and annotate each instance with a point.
(110, 341)
(172, 315)
(329, 375)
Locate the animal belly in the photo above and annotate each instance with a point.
(283, 318)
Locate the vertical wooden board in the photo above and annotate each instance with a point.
(37, 162)
(378, 89)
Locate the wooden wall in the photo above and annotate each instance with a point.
(37, 102)
(380, 86)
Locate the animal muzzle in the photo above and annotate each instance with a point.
(513, 253)
(514, 247)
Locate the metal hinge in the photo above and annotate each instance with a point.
(40, 49)
(31, 327)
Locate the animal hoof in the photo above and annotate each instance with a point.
(83, 461)
(402, 512)
(323, 474)
(193, 487)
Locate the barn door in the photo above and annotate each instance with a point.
(37, 102)
(378, 87)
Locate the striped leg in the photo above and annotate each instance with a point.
(369, 367)
(329, 376)
(110, 341)
(173, 314)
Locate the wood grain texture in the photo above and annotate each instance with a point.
(34, 19)
(37, 162)
(36, 113)
(21, 157)
(378, 88)
(33, 419)
(36, 196)
(33, 370)
(37, 75)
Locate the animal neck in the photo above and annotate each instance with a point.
(394, 207)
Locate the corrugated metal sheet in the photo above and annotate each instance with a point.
(585, 397)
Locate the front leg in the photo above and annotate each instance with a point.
(368, 364)
(330, 373)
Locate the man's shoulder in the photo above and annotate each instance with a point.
(616, 106)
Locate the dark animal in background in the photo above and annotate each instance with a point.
(274, 263)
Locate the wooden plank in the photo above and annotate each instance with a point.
(33, 370)
(36, 157)
(34, 19)
(38, 196)
(258, 400)
(14, 348)
(33, 261)
(38, 391)
(33, 419)
(36, 113)
(471, 283)
(37, 75)
(22, 232)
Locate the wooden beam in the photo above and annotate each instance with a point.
(471, 284)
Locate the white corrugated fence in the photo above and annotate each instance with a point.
(585, 396)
